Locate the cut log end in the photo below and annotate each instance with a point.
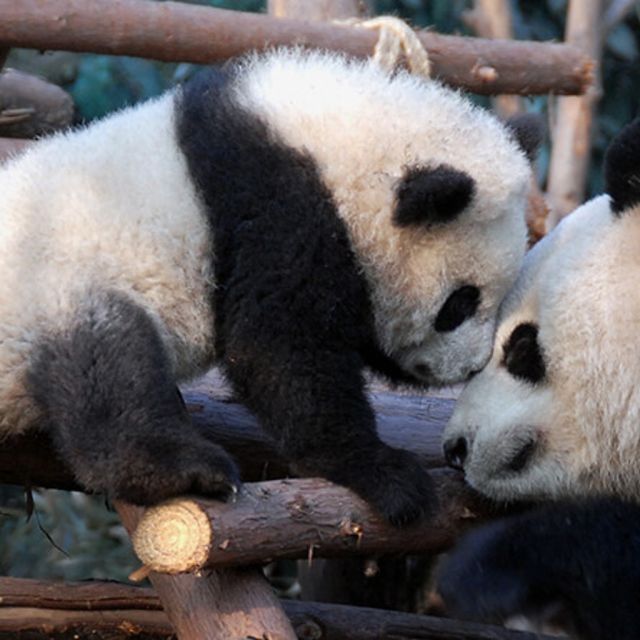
(173, 537)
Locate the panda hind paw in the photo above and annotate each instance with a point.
(394, 482)
(405, 493)
(166, 468)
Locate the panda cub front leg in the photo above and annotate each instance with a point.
(312, 400)
(115, 413)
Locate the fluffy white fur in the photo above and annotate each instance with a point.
(107, 206)
(363, 135)
(580, 286)
(112, 205)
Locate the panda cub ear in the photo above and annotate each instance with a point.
(432, 195)
(622, 168)
(528, 129)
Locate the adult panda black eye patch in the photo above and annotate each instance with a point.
(522, 354)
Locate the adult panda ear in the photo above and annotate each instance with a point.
(432, 195)
(528, 129)
(622, 168)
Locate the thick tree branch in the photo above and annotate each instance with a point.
(102, 610)
(410, 422)
(31, 106)
(10, 147)
(179, 32)
(228, 603)
(299, 518)
(492, 19)
(571, 135)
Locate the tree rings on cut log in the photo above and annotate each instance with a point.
(173, 537)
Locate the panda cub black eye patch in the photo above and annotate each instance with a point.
(458, 307)
(432, 195)
(522, 354)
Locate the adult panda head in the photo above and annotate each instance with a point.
(431, 188)
(556, 411)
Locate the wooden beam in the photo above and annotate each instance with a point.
(173, 31)
(31, 106)
(316, 9)
(218, 605)
(571, 133)
(103, 610)
(10, 147)
(492, 19)
(410, 422)
(297, 518)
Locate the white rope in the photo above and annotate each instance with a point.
(397, 43)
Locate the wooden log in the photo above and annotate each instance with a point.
(104, 610)
(301, 518)
(316, 9)
(571, 134)
(173, 31)
(410, 422)
(31, 106)
(492, 19)
(10, 147)
(229, 603)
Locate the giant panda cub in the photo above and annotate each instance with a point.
(295, 218)
(556, 414)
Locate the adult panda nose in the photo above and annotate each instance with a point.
(455, 452)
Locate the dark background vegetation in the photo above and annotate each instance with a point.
(94, 544)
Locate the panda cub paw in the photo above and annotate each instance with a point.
(402, 489)
(153, 469)
(394, 482)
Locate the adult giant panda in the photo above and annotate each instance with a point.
(556, 414)
(295, 218)
(556, 410)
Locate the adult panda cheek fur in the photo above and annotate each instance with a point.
(200, 221)
(580, 557)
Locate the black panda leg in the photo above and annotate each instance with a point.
(116, 415)
(313, 402)
(573, 565)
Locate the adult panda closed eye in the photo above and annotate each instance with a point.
(294, 218)
(556, 414)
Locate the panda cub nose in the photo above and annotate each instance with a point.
(455, 452)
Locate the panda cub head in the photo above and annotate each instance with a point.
(432, 191)
(557, 409)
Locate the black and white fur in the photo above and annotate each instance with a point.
(556, 414)
(294, 218)
(570, 568)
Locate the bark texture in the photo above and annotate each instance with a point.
(173, 31)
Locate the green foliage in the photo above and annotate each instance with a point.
(544, 20)
(107, 83)
(70, 536)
